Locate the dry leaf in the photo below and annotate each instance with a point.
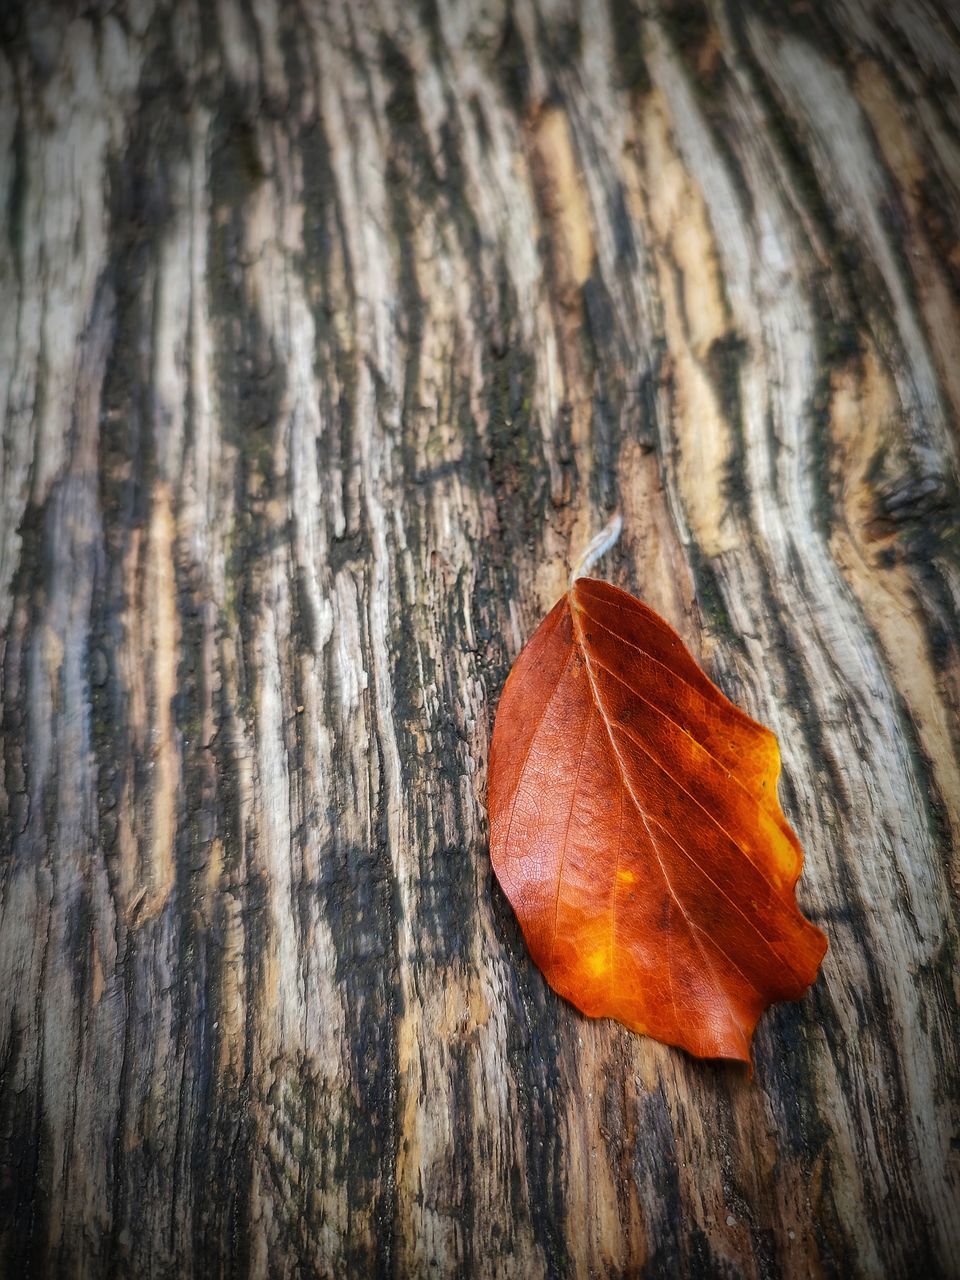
(635, 828)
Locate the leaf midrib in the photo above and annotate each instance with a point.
(625, 781)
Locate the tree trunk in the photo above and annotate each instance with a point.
(330, 334)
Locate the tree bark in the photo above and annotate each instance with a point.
(331, 332)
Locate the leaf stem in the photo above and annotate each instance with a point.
(598, 546)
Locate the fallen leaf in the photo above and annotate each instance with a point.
(635, 828)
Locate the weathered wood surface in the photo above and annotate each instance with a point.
(329, 333)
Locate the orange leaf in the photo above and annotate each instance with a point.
(635, 828)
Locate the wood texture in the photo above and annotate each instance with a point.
(330, 333)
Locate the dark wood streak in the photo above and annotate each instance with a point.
(331, 333)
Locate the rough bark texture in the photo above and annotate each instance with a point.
(330, 331)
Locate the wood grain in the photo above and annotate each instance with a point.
(330, 334)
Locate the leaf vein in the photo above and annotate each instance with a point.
(526, 758)
(644, 816)
(566, 832)
(726, 706)
(673, 778)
